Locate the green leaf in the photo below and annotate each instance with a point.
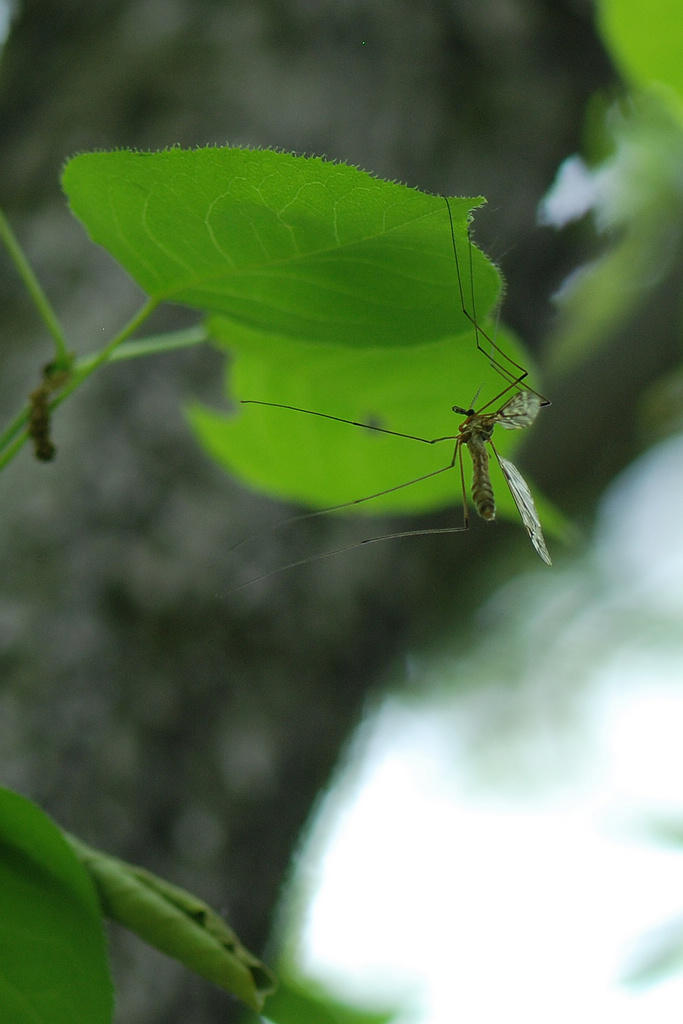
(289, 245)
(177, 923)
(646, 40)
(53, 963)
(318, 462)
(335, 292)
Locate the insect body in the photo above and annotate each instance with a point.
(476, 432)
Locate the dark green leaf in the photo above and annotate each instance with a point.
(53, 964)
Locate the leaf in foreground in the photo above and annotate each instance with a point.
(53, 957)
(178, 923)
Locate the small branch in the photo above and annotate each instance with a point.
(35, 290)
(154, 345)
(16, 433)
(84, 368)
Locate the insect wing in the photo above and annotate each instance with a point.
(525, 506)
(520, 411)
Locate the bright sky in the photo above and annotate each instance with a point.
(520, 886)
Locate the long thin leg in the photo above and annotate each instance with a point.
(465, 506)
(353, 423)
(457, 454)
(340, 551)
(514, 380)
(347, 504)
(472, 317)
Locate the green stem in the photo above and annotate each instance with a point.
(14, 448)
(154, 344)
(39, 297)
(10, 443)
(83, 369)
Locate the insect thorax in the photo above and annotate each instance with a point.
(477, 428)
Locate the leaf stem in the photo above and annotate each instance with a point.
(85, 367)
(40, 299)
(155, 344)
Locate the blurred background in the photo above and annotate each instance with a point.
(468, 712)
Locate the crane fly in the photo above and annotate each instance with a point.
(475, 433)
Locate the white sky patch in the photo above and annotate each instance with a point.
(492, 905)
(458, 902)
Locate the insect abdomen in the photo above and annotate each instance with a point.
(482, 491)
